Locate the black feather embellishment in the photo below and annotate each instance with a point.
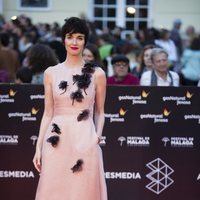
(55, 128)
(83, 115)
(78, 96)
(78, 166)
(53, 140)
(83, 81)
(63, 86)
(88, 68)
(76, 78)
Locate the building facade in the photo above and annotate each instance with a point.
(108, 13)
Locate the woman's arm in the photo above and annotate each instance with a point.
(46, 118)
(100, 82)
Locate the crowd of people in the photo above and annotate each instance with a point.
(149, 56)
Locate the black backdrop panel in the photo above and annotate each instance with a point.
(151, 142)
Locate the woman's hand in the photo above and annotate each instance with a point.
(37, 160)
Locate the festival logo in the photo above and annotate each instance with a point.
(29, 116)
(9, 139)
(140, 99)
(116, 117)
(34, 139)
(178, 141)
(157, 118)
(165, 140)
(182, 100)
(134, 141)
(8, 98)
(121, 139)
(159, 176)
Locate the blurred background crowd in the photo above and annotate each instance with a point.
(149, 56)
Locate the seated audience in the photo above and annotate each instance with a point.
(160, 75)
(121, 69)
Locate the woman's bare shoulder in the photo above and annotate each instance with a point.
(51, 69)
(99, 72)
(48, 73)
(100, 76)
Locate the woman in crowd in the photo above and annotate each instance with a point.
(39, 58)
(145, 62)
(91, 54)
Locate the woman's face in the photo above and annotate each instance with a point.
(147, 58)
(74, 43)
(87, 55)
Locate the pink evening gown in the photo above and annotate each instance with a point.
(72, 163)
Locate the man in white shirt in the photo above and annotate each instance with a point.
(160, 75)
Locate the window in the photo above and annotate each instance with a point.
(36, 5)
(140, 18)
(104, 13)
(108, 13)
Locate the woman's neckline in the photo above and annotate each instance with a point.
(72, 67)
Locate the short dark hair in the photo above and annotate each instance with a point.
(75, 25)
(24, 74)
(119, 58)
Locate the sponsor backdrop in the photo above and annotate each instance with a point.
(151, 142)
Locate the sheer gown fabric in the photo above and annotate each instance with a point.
(72, 164)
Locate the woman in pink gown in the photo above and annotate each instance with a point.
(67, 155)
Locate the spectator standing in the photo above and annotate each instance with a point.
(55, 42)
(160, 75)
(166, 43)
(105, 46)
(190, 72)
(39, 58)
(190, 34)
(9, 59)
(176, 37)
